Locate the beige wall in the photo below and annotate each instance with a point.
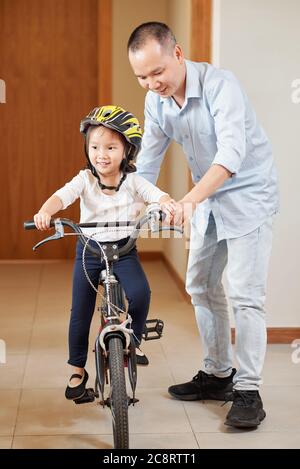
(177, 172)
(127, 93)
(126, 16)
(262, 49)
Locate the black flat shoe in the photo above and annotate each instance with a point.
(141, 359)
(78, 391)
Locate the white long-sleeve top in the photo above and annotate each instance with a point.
(95, 206)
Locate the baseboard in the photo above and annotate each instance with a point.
(151, 256)
(278, 335)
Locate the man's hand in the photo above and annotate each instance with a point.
(169, 208)
(184, 212)
(178, 213)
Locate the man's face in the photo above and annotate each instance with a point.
(159, 69)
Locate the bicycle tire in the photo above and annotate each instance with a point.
(118, 394)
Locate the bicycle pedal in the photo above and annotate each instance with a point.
(89, 396)
(106, 402)
(132, 400)
(153, 329)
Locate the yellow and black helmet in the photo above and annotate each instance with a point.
(116, 118)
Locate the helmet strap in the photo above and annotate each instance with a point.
(112, 188)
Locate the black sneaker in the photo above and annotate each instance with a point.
(204, 386)
(246, 411)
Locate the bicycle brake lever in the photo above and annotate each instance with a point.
(155, 214)
(59, 233)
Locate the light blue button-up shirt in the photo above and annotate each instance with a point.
(216, 125)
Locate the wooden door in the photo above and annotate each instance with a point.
(48, 61)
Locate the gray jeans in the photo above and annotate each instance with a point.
(247, 260)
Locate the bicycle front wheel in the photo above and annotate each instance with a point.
(118, 394)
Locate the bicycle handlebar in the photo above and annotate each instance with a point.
(59, 223)
(30, 225)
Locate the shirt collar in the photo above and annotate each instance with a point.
(193, 87)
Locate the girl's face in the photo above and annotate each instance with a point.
(106, 150)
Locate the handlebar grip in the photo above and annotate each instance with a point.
(30, 225)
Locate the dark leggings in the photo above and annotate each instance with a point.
(130, 273)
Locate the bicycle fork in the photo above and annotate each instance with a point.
(101, 355)
(111, 327)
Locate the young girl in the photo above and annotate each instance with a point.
(109, 191)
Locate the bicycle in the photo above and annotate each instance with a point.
(114, 345)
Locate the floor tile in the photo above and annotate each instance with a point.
(9, 399)
(27, 275)
(81, 441)
(46, 370)
(249, 440)
(164, 441)
(5, 442)
(17, 308)
(47, 412)
(17, 339)
(206, 416)
(12, 372)
(157, 413)
(137, 441)
(279, 368)
(281, 404)
(50, 337)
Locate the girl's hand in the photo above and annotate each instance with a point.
(42, 220)
(169, 208)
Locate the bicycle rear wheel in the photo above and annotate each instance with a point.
(118, 394)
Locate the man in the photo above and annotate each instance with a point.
(235, 198)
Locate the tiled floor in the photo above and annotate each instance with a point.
(34, 413)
